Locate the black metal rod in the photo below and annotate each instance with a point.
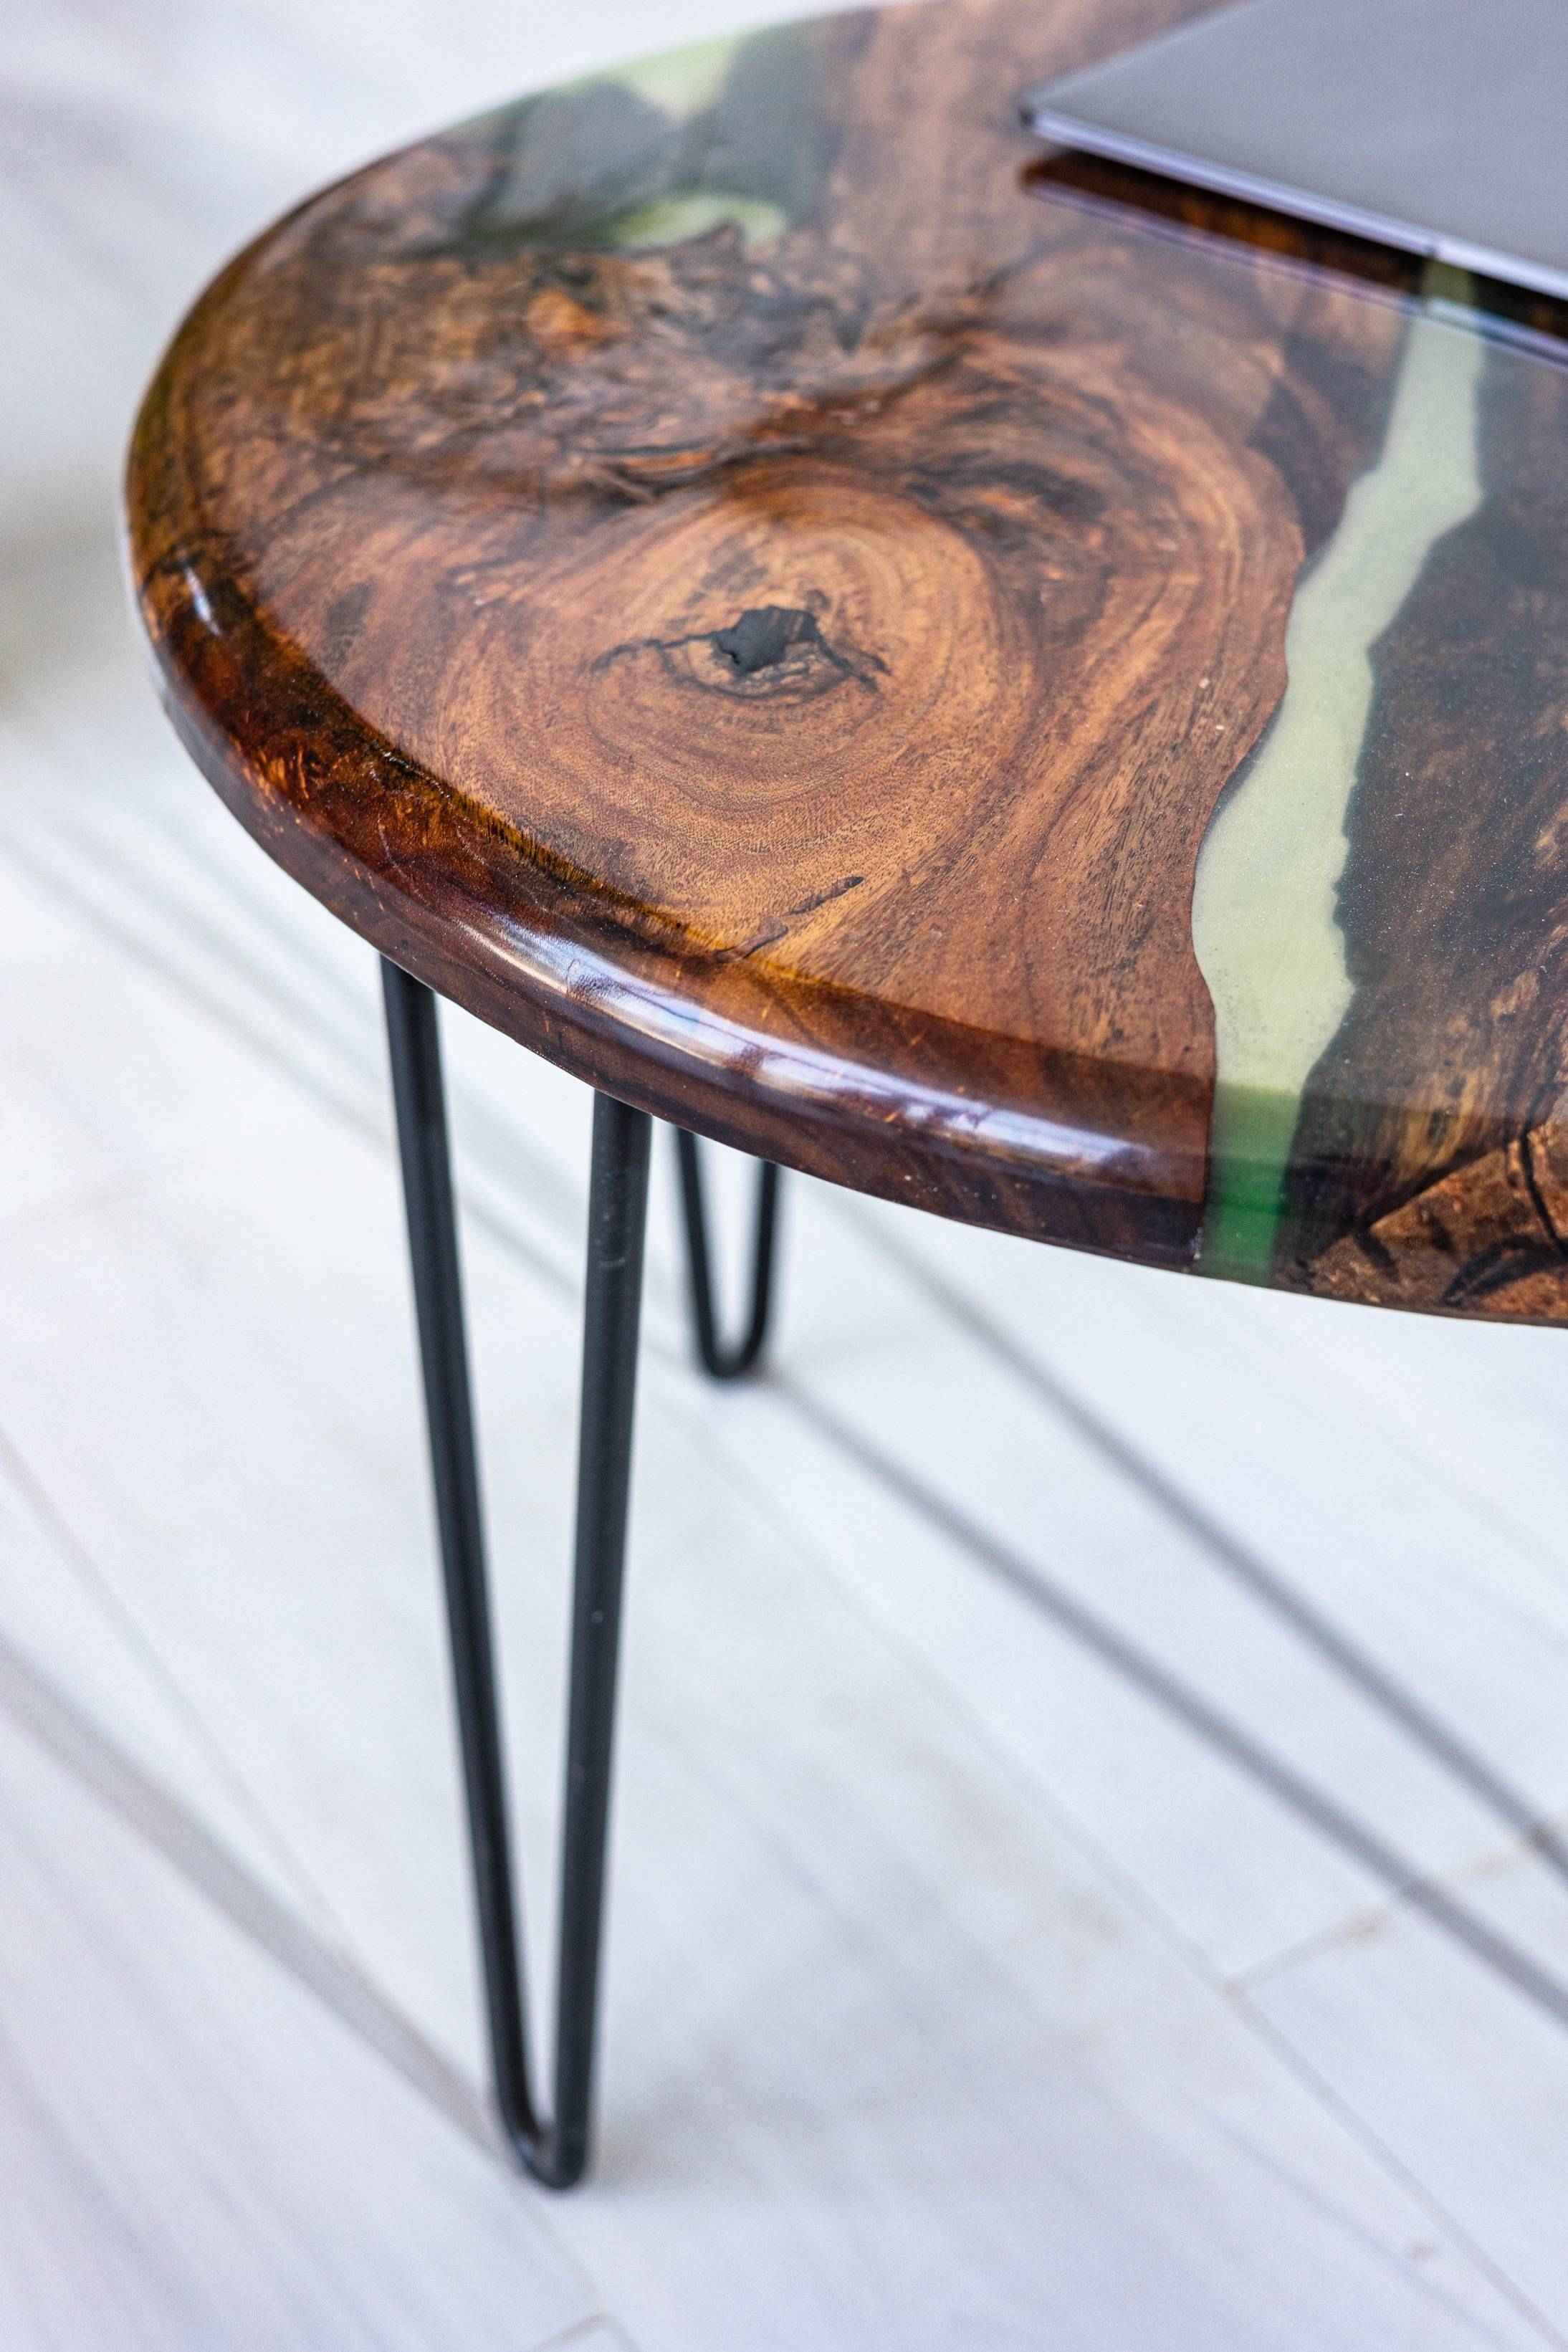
(617, 1219)
(721, 1360)
(554, 2150)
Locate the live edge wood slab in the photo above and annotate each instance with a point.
(998, 682)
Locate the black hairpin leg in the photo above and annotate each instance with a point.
(554, 2148)
(721, 1361)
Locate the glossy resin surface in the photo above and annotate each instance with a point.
(990, 678)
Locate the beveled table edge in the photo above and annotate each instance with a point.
(552, 969)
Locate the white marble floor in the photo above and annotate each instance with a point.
(1089, 1869)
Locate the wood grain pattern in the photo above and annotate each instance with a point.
(1432, 1160)
(770, 640)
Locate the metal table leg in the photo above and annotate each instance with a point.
(554, 2148)
(720, 1360)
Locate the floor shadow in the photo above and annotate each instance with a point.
(1380, 1859)
(1266, 1584)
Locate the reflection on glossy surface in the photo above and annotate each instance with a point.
(778, 643)
(1265, 917)
(1429, 1164)
(727, 133)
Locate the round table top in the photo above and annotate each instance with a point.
(1000, 681)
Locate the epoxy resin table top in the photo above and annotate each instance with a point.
(998, 681)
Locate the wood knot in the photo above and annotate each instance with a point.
(772, 651)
